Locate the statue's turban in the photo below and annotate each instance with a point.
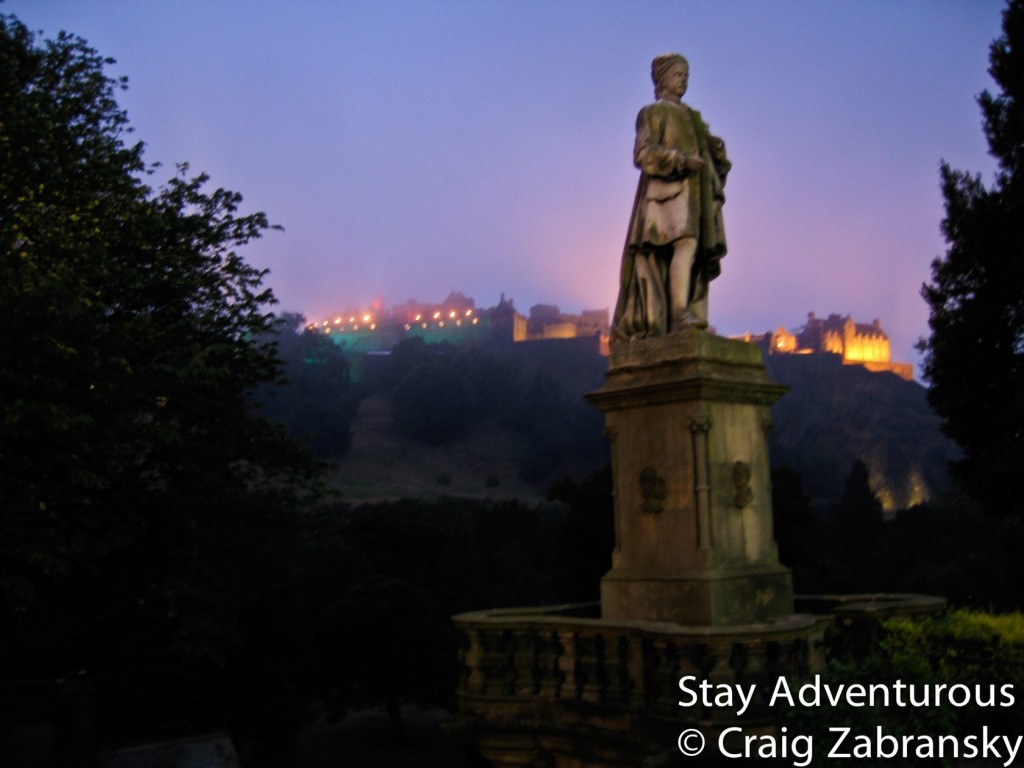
(663, 63)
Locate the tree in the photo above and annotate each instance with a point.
(858, 515)
(587, 537)
(974, 357)
(433, 403)
(798, 531)
(142, 503)
(317, 403)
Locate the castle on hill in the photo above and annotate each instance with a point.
(458, 320)
(856, 343)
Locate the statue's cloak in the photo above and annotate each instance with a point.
(705, 192)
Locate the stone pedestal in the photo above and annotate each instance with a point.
(695, 588)
(687, 416)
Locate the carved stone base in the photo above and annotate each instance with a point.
(687, 416)
(735, 596)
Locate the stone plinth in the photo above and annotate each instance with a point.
(687, 416)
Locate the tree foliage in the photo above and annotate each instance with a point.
(317, 403)
(974, 357)
(946, 547)
(142, 503)
(439, 392)
(433, 403)
(960, 649)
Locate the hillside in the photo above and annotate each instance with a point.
(531, 427)
(834, 414)
(382, 465)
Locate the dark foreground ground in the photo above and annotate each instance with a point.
(366, 739)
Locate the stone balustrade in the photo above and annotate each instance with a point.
(558, 686)
(553, 681)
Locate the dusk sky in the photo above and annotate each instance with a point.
(412, 148)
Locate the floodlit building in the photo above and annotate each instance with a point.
(856, 343)
(458, 320)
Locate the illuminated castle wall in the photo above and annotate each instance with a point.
(857, 343)
(457, 320)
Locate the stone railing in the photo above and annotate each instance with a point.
(532, 655)
(558, 686)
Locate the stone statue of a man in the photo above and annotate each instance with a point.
(676, 237)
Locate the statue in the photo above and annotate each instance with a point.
(676, 237)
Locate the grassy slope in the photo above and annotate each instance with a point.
(382, 465)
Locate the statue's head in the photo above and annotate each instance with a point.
(662, 66)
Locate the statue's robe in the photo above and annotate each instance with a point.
(669, 205)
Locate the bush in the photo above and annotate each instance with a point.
(964, 647)
(981, 651)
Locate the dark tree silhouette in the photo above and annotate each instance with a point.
(974, 357)
(144, 508)
(317, 403)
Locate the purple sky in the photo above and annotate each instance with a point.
(412, 148)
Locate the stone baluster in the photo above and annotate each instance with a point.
(590, 665)
(568, 664)
(759, 660)
(691, 662)
(619, 686)
(635, 668)
(472, 675)
(721, 655)
(661, 680)
(547, 655)
(496, 662)
(524, 662)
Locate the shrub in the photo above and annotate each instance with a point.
(981, 651)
